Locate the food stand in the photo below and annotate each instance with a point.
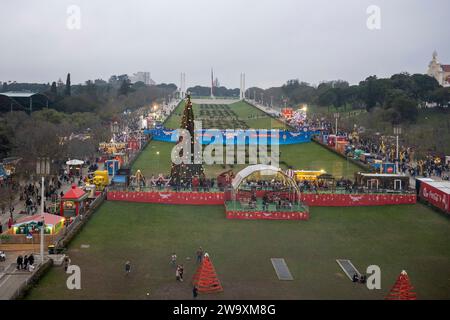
(75, 167)
(31, 225)
(73, 202)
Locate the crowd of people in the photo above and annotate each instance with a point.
(25, 262)
(384, 148)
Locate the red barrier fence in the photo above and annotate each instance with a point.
(218, 198)
(259, 215)
(168, 197)
(350, 200)
(437, 194)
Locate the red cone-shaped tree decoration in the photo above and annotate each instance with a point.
(205, 279)
(402, 289)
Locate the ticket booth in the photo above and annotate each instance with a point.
(73, 202)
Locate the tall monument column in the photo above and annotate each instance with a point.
(242, 87)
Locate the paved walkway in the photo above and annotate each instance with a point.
(12, 279)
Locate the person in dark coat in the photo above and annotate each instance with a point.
(19, 262)
(31, 259)
(25, 262)
(127, 267)
(194, 292)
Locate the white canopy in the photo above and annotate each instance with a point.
(74, 162)
(262, 168)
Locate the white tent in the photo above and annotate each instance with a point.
(263, 169)
(74, 162)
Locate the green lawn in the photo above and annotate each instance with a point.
(251, 116)
(413, 238)
(306, 156)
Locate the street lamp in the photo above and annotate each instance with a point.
(336, 116)
(43, 222)
(157, 154)
(397, 132)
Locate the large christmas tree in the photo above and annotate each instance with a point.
(184, 172)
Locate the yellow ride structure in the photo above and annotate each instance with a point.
(100, 179)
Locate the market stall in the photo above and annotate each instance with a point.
(73, 202)
(75, 167)
(32, 224)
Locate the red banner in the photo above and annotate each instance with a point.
(438, 198)
(168, 197)
(218, 198)
(259, 215)
(350, 200)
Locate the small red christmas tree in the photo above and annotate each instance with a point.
(402, 289)
(205, 279)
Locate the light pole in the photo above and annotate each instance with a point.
(43, 221)
(336, 116)
(397, 132)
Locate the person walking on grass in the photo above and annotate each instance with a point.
(173, 259)
(195, 292)
(66, 263)
(127, 267)
(177, 274)
(181, 272)
(199, 255)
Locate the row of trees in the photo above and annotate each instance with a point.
(400, 95)
(201, 91)
(47, 133)
(82, 108)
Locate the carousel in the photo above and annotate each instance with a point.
(265, 192)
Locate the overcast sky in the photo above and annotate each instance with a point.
(270, 40)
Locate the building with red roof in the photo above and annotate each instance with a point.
(73, 202)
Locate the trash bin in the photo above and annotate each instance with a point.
(51, 249)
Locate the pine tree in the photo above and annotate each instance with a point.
(184, 172)
(53, 89)
(67, 91)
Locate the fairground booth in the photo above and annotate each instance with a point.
(32, 224)
(27, 229)
(73, 202)
(382, 182)
(75, 167)
(265, 192)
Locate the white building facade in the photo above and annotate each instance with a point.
(441, 72)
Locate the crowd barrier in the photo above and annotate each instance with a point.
(260, 215)
(218, 198)
(351, 200)
(239, 137)
(168, 197)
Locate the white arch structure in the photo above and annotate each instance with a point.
(263, 169)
